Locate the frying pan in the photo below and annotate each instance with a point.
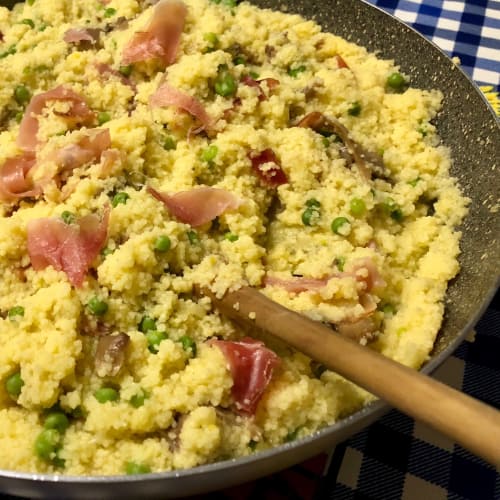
(468, 126)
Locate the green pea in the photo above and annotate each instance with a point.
(355, 109)
(225, 85)
(193, 237)
(292, 435)
(212, 39)
(388, 309)
(318, 369)
(396, 81)
(103, 117)
(414, 182)
(325, 141)
(393, 209)
(13, 384)
(97, 306)
(239, 60)
(339, 226)
(188, 344)
(28, 22)
(162, 244)
(147, 324)
(168, 143)
(357, 207)
(313, 203)
(310, 216)
(68, 217)
(126, 70)
(30, 2)
(42, 27)
(253, 444)
(107, 251)
(137, 400)
(209, 153)
(47, 443)
(155, 338)
(106, 394)
(10, 51)
(340, 263)
(15, 311)
(231, 237)
(109, 12)
(19, 116)
(254, 74)
(294, 72)
(119, 199)
(422, 131)
(229, 3)
(56, 420)
(21, 94)
(132, 468)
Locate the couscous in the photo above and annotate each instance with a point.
(151, 148)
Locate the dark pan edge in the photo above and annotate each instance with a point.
(457, 323)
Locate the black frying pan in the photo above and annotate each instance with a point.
(468, 126)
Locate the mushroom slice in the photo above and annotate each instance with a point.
(110, 354)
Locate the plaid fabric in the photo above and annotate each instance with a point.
(468, 30)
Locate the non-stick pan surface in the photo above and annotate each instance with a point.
(468, 126)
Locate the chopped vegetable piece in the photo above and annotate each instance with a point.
(225, 85)
(132, 468)
(355, 109)
(231, 237)
(19, 116)
(21, 94)
(239, 60)
(28, 22)
(340, 263)
(357, 207)
(10, 51)
(137, 400)
(209, 153)
(15, 311)
(294, 72)
(326, 141)
(162, 244)
(155, 338)
(120, 199)
(126, 70)
(396, 81)
(103, 117)
(193, 237)
(97, 306)
(105, 394)
(254, 74)
(109, 12)
(107, 251)
(56, 420)
(341, 226)
(68, 217)
(47, 443)
(168, 143)
(213, 40)
(147, 324)
(13, 384)
(188, 344)
(388, 309)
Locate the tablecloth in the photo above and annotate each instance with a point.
(397, 458)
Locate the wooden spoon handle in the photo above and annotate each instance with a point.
(474, 425)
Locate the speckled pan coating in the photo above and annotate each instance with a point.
(468, 126)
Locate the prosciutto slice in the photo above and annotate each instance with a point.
(198, 206)
(14, 181)
(160, 39)
(79, 113)
(82, 37)
(88, 149)
(252, 365)
(166, 95)
(68, 248)
(250, 82)
(267, 166)
(296, 284)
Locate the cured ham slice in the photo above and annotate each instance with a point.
(160, 39)
(88, 149)
(365, 271)
(198, 206)
(79, 113)
(267, 166)
(68, 248)
(296, 284)
(250, 82)
(252, 365)
(84, 37)
(14, 181)
(166, 95)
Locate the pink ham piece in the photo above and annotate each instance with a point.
(296, 284)
(341, 63)
(198, 206)
(365, 271)
(88, 149)
(78, 113)
(250, 82)
(252, 365)
(267, 166)
(68, 248)
(78, 35)
(167, 95)
(160, 40)
(14, 181)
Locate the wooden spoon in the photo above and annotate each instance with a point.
(472, 424)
